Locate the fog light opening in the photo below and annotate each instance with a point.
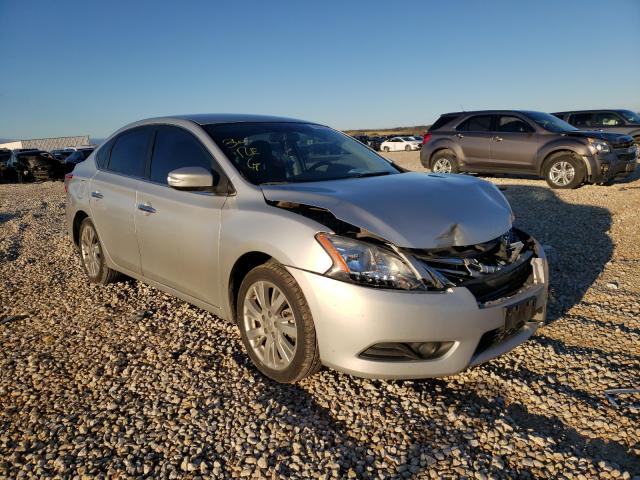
(406, 351)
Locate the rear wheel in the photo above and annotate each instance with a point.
(444, 161)
(407, 148)
(564, 171)
(91, 255)
(386, 149)
(276, 325)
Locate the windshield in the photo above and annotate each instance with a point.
(551, 123)
(630, 116)
(295, 152)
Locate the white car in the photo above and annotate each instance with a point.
(400, 143)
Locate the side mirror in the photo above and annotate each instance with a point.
(191, 178)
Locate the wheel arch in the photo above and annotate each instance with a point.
(240, 269)
(78, 218)
(548, 156)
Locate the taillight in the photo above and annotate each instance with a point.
(426, 138)
(67, 179)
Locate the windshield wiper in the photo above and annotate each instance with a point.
(369, 174)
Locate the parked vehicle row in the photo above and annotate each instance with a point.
(526, 142)
(377, 142)
(28, 165)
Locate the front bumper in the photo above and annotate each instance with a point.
(351, 318)
(608, 166)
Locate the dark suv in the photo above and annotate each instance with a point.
(618, 121)
(29, 165)
(526, 142)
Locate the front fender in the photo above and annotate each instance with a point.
(566, 145)
(285, 236)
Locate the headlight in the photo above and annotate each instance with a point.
(599, 146)
(367, 264)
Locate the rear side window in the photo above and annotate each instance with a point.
(442, 121)
(129, 152)
(478, 123)
(176, 148)
(582, 120)
(513, 125)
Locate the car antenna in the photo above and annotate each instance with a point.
(461, 107)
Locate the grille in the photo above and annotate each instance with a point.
(490, 270)
(627, 157)
(626, 144)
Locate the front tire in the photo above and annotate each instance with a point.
(444, 161)
(407, 148)
(386, 149)
(91, 256)
(564, 171)
(276, 324)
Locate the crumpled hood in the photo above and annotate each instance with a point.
(411, 210)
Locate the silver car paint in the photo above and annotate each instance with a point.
(191, 243)
(434, 212)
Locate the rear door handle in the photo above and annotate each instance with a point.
(146, 208)
(96, 194)
(497, 139)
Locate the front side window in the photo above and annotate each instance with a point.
(606, 119)
(129, 152)
(513, 125)
(479, 123)
(281, 152)
(176, 148)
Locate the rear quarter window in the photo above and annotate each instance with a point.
(442, 121)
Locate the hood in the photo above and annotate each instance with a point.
(410, 210)
(613, 138)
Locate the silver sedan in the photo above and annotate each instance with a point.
(320, 250)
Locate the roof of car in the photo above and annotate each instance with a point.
(591, 110)
(214, 118)
(490, 112)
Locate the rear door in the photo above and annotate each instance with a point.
(178, 230)
(514, 144)
(473, 136)
(113, 196)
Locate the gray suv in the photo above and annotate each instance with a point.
(617, 121)
(526, 142)
(291, 230)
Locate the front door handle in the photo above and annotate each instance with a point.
(146, 208)
(96, 194)
(459, 135)
(497, 139)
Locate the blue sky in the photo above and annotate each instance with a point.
(76, 67)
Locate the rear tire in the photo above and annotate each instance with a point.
(407, 148)
(444, 161)
(276, 325)
(92, 257)
(564, 171)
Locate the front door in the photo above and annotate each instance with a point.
(179, 231)
(514, 145)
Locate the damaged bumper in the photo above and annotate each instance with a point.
(379, 333)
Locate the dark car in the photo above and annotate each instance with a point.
(617, 121)
(61, 154)
(80, 155)
(30, 165)
(5, 155)
(526, 142)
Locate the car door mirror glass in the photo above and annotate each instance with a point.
(192, 179)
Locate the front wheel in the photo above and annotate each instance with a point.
(276, 324)
(407, 148)
(564, 171)
(386, 149)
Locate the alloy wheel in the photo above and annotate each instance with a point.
(442, 165)
(90, 249)
(562, 173)
(270, 325)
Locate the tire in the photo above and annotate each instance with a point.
(636, 140)
(97, 272)
(305, 358)
(386, 149)
(444, 161)
(407, 148)
(563, 171)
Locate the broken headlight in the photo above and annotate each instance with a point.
(367, 264)
(598, 146)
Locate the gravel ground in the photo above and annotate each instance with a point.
(124, 380)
